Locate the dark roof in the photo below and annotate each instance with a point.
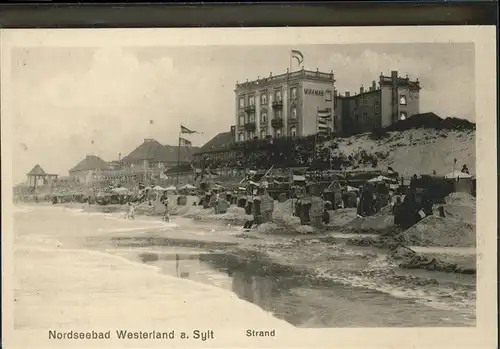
(37, 171)
(153, 150)
(183, 168)
(91, 162)
(220, 142)
(432, 121)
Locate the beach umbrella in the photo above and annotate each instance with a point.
(120, 190)
(188, 186)
(298, 178)
(158, 188)
(379, 179)
(457, 174)
(171, 188)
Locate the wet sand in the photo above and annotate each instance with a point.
(304, 273)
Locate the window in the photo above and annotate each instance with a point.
(277, 114)
(277, 95)
(263, 98)
(251, 100)
(263, 118)
(294, 113)
(402, 100)
(251, 117)
(250, 135)
(365, 116)
(278, 133)
(293, 131)
(242, 102)
(242, 120)
(241, 137)
(328, 95)
(262, 134)
(402, 115)
(293, 93)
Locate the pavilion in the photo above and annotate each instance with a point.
(37, 176)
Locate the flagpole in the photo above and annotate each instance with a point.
(290, 65)
(178, 160)
(316, 133)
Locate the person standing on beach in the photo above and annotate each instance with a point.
(164, 201)
(131, 211)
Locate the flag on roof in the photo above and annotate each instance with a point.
(296, 54)
(187, 130)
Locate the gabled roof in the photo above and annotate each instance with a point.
(91, 162)
(153, 150)
(37, 171)
(219, 142)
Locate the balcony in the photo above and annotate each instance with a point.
(250, 108)
(277, 104)
(250, 127)
(277, 123)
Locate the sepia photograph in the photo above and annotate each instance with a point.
(159, 192)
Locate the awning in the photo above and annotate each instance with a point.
(457, 174)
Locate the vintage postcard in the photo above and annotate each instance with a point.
(251, 188)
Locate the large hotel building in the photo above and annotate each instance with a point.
(395, 98)
(288, 105)
(282, 105)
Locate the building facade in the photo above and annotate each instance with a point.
(395, 98)
(219, 149)
(282, 105)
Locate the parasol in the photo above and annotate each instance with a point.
(457, 175)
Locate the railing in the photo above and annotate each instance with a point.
(277, 104)
(281, 77)
(250, 108)
(277, 123)
(250, 127)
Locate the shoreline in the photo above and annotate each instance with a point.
(388, 240)
(318, 258)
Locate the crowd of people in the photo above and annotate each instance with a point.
(280, 153)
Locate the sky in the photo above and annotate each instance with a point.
(72, 101)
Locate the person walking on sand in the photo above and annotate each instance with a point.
(164, 201)
(131, 211)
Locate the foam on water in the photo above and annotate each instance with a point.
(376, 277)
(443, 298)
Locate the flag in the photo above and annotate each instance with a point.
(186, 130)
(184, 142)
(298, 56)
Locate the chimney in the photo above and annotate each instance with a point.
(119, 156)
(361, 89)
(233, 130)
(347, 93)
(374, 85)
(394, 77)
(335, 93)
